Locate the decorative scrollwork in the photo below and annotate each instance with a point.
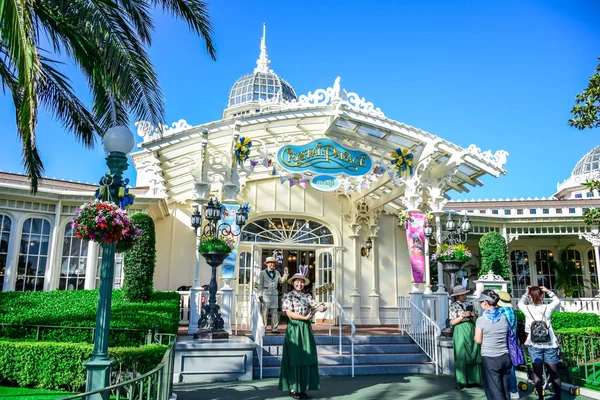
(490, 276)
(149, 132)
(498, 158)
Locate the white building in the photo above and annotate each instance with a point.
(308, 215)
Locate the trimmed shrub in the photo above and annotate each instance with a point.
(51, 365)
(140, 260)
(78, 308)
(494, 255)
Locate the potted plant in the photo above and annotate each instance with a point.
(215, 248)
(105, 222)
(452, 256)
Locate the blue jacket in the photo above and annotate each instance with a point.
(509, 314)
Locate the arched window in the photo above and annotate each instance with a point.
(33, 255)
(74, 261)
(576, 279)
(118, 277)
(591, 255)
(287, 230)
(545, 275)
(5, 224)
(521, 277)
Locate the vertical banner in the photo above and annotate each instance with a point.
(229, 213)
(416, 245)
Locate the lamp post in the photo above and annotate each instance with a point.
(117, 141)
(211, 324)
(455, 233)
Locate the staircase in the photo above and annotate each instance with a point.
(372, 355)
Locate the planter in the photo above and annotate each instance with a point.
(452, 266)
(214, 259)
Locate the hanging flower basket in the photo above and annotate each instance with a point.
(105, 222)
(213, 244)
(452, 252)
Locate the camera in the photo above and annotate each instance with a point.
(469, 308)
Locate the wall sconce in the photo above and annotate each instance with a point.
(366, 251)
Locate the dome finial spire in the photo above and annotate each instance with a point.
(262, 64)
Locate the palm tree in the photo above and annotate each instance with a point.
(107, 40)
(568, 274)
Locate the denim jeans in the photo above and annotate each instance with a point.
(512, 381)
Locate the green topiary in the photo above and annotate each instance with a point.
(494, 255)
(140, 261)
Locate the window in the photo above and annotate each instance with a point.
(5, 224)
(593, 272)
(74, 261)
(245, 268)
(571, 211)
(521, 278)
(558, 210)
(118, 277)
(545, 211)
(519, 211)
(507, 212)
(578, 195)
(589, 194)
(494, 211)
(289, 230)
(33, 255)
(532, 211)
(545, 275)
(576, 279)
(482, 211)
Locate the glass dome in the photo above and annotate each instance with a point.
(589, 163)
(260, 86)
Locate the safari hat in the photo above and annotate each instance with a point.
(458, 290)
(504, 299)
(298, 275)
(271, 260)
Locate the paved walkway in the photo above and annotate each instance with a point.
(366, 387)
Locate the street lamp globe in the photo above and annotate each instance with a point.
(196, 218)
(118, 139)
(428, 229)
(241, 217)
(450, 224)
(466, 225)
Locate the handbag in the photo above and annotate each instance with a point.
(539, 330)
(448, 331)
(514, 350)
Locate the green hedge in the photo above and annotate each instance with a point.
(140, 261)
(567, 320)
(51, 365)
(78, 308)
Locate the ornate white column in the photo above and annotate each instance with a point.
(374, 296)
(595, 241)
(90, 267)
(357, 214)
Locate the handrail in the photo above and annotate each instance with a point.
(258, 329)
(159, 390)
(422, 329)
(332, 300)
(147, 332)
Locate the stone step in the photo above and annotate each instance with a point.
(359, 359)
(391, 339)
(277, 350)
(366, 369)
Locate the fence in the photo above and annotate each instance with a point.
(153, 385)
(581, 357)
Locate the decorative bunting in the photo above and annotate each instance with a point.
(124, 198)
(378, 170)
(253, 163)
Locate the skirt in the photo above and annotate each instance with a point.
(299, 363)
(467, 356)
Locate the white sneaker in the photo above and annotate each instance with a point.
(515, 395)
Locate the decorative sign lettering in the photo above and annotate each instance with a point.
(324, 156)
(325, 183)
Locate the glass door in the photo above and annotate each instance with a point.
(325, 286)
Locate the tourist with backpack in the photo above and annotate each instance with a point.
(492, 331)
(506, 308)
(541, 342)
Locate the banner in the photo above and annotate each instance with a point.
(229, 213)
(416, 245)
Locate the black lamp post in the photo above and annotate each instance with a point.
(211, 324)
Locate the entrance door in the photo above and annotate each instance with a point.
(324, 282)
(248, 268)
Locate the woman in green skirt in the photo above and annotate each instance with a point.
(299, 364)
(467, 355)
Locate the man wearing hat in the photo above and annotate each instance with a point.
(268, 280)
(506, 308)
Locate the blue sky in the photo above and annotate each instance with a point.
(500, 74)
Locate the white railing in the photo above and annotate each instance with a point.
(185, 306)
(430, 306)
(583, 304)
(242, 311)
(258, 330)
(422, 329)
(331, 300)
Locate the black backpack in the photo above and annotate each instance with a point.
(539, 331)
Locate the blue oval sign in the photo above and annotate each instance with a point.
(325, 183)
(324, 156)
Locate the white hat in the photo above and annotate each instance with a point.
(271, 260)
(298, 275)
